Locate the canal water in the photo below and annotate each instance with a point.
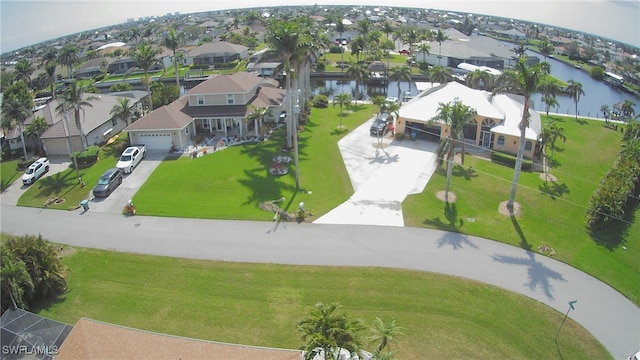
(596, 93)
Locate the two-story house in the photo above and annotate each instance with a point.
(219, 105)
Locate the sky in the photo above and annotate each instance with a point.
(28, 22)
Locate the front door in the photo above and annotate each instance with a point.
(486, 139)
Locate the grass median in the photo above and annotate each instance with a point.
(259, 304)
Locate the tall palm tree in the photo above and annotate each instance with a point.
(23, 71)
(627, 109)
(358, 72)
(73, 98)
(574, 89)
(172, 42)
(546, 48)
(68, 56)
(523, 80)
(400, 73)
(122, 110)
(605, 112)
(455, 115)
(146, 56)
(16, 107)
(50, 68)
(384, 333)
(550, 134)
(340, 29)
(36, 128)
(424, 49)
(411, 36)
(327, 332)
(364, 28)
(440, 38)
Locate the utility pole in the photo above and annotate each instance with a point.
(571, 307)
(296, 112)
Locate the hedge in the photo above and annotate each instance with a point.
(87, 157)
(510, 160)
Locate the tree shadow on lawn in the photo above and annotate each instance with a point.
(8, 182)
(553, 189)
(54, 184)
(452, 236)
(460, 171)
(616, 234)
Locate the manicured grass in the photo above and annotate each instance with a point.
(65, 184)
(259, 304)
(230, 184)
(9, 173)
(553, 214)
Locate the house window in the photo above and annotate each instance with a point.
(230, 100)
(501, 140)
(200, 99)
(528, 145)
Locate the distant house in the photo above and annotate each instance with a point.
(121, 66)
(218, 105)
(495, 126)
(217, 52)
(93, 67)
(97, 123)
(266, 69)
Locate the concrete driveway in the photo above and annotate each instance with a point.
(130, 185)
(12, 194)
(383, 171)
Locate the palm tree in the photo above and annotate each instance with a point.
(122, 110)
(400, 73)
(519, 50)
(546, 48)
(23, 71)
(15, 279)
(342, 99)
(73, 98)
(16, 107)
(574, 89)
(172, 41)
(386, 27)
(146, 56)
(36, 128)
(378, 101)
(364, 28)
(440, 74)
(440, 38)
(68, 56)
(411, 36)
(478, 79)
(340, 29)
(605, 112)
(524, 80)
(549, 102)
(384, 333)
(627, 109)
(327, 332)
(424, 49)
(549, 136)
(50, 68)
(455, 115)
(358, 72)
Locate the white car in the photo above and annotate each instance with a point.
(35, 171)
(130, 158)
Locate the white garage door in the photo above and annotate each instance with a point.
(159, 141)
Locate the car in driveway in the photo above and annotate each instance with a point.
(35, 171)
(380, 124)
(131, 157)
(108, 182)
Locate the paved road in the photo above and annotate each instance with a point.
(604, 312)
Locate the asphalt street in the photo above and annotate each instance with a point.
(605, 313)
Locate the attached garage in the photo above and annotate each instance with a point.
(155, 141)
(58, 146)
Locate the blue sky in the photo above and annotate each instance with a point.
(27, 22)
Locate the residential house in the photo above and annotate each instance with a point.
(121, 66)
(93, 67)
(216, 53)
(218, 105)
(97, 123)
(495, 126)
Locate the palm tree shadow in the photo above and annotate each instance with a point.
(554, 190)
(54, 184)
(523, 239)
(539, 275)
(452, 225)
(467, 173)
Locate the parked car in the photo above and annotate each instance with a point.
(380, 124)
(392, 99)
(35, 171)
(110, 180)
(131, 157)
(405, 52)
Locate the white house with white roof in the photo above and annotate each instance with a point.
(496, 125)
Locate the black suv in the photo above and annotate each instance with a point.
(108, 182)
(380, 124)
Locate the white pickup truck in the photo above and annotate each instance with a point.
(131, 157)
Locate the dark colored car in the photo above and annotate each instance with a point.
(380, 124)
(108, 182)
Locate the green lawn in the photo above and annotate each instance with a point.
(9, 173)
(259, 304)
(553, 214)
(230, 184)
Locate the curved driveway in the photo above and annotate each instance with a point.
(604, 312)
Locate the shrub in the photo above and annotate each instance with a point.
(321, 101)
(199, 67)
(24, 164)
(123, 86)
(510, 160)
(320, 66)
(336, 50)
(88, 156)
